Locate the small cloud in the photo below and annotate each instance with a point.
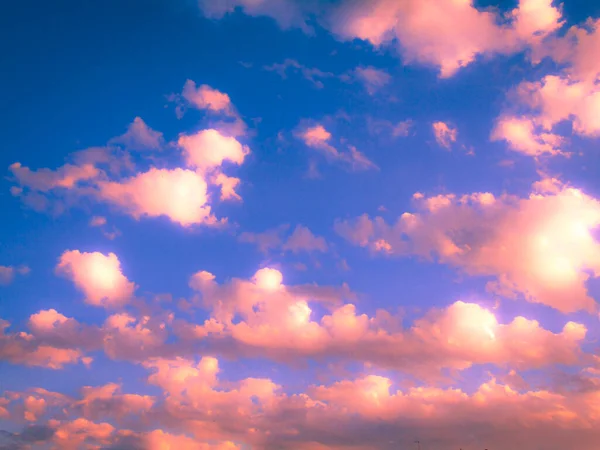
(97, 221)
(309, 73)
(7, 273)
(445, 134)
(373, 79)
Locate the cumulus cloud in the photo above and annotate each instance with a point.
(277, 321)
(481, 234)
(203, 411)
(522, 135)
(179, 194)
(209, 149)
(98, 276)
(205, 97)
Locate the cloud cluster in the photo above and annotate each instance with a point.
(205, 412)
(127, 173)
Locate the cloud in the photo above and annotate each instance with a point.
(444, 134)
(205, 97)
(448, 38)
(556, 99)
(201, 410)
(300, 240)
(209, 149)
(98, 276)
(22, 348)
(480, 234)
(372, 78)
(523, 136)
(287, 13)
(277, 321)
(179, 194)
(43, 180)
(97, 221)
(7, 273)
(317, 137)
(312, 74)
(140, 137)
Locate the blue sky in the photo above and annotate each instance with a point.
(78, 74)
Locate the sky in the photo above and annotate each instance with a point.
(300, 224)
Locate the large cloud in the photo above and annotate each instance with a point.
(201, 410)
(541, 247)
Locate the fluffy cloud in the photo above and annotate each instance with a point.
(277, 321)
(179, 194)
(366, 411)
(205, 97)
(98, 276)
(448, 35)
(209, 149)
(481, 234)
(522, 135)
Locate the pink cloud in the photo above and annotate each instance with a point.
(179, 194)
(67, 176)
(450, 35)
(22, 348)
(302, 239)
(98, 276)
(479, 233)
(97, 221)
(557, 99)
(444, 134)
(209, 149)
(141, 137)
(365, 411)
(277, 321)
(523, 136)
(205, 97)
(228, 186)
